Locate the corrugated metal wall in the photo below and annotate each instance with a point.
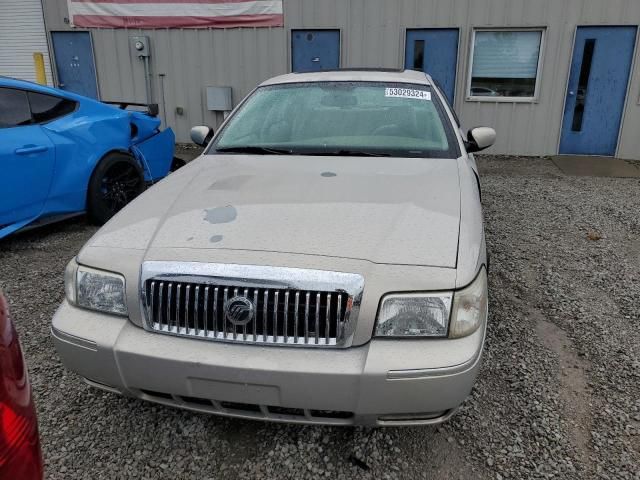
(183, 63)
(22, 34)
(373, 33)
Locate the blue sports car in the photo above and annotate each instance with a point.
(62, 154)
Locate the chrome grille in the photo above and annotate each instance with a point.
(274, 307)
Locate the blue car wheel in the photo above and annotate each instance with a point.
(116, 181)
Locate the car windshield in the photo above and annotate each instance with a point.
(340, 118)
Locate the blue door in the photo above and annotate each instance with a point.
(27, 158)
(315, 50)
(597, 90)
(434, 51)
(74, 62)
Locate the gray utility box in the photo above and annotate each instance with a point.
(219, 99)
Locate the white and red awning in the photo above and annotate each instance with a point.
(176, 13)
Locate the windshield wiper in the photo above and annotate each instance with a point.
(256, 150)
(348, 153)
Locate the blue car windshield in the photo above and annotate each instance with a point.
(340, 118)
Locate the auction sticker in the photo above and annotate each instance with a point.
(407, 93)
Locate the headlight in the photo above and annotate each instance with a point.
(427, 314)
(414, 315)
(95, 289)
(470, 307)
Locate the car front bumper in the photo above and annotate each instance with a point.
(384, 382)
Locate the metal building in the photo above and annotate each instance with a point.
(550, 76)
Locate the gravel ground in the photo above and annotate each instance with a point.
(558, 395)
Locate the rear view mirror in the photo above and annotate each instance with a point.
(340, 100)
(480, 138)
(201, 135)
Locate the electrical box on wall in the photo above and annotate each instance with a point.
(219, 99)
(140, 46)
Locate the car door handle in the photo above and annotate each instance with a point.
(27, 149)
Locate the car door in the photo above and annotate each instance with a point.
(27, 158)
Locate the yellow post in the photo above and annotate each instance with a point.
(38, 61)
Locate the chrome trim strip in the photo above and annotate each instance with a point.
(206, 311)
(225, 296)
(153, 298)
(254, 276)
(306, 317)
(295, 320)
(177, 320)
(255, 322)
(244, 327)
(286, 316)
(317, 325)
(423, 373)
(169, 301)
(73, 340)
(215, 312)
(327, 319)
(196, 309)
(187, 295)
(235, 330)
(265, 308)
(275, 313)
(339, 323)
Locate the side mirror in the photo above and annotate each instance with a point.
(480, 138)
(201, 135)
(153, 109)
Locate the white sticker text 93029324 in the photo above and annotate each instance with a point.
(407, 93)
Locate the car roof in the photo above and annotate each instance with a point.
(10, 82)
(354, 75)
(18, 83)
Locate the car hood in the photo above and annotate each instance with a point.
(383, 210)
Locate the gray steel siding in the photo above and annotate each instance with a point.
(189, 60)
(22, 34)
(373, 33)
(629, 146)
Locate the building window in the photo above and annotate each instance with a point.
(505, 64)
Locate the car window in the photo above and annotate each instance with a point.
(14, 108)
(45, 108)
(392, 119)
